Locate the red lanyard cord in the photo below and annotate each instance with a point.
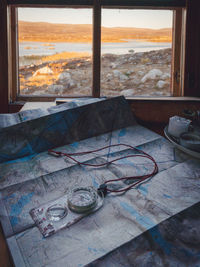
(104, 186)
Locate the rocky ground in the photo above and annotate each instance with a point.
(133, 74)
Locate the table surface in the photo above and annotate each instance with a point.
(148, 224)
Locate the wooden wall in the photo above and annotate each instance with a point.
(192, 59)
(155, 114)
(3, 58)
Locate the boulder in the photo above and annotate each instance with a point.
(43, 71)
(165, 75)
(128, 92)
(160, 84)
(66, 80)
(152, 74)
(64, 76)
(56, 88)
(122, 77)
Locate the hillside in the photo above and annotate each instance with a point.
(138, 74)
(50, 32)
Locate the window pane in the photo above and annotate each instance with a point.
(136, 52)
(55, 47)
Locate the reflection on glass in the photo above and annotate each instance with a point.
(55, 51)
(136, 52)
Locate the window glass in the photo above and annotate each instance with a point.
(55, 47)
(136, 52)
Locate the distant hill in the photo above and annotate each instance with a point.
(50, 32)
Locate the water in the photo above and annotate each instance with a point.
(41, 49)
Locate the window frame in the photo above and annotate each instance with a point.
(177, 70)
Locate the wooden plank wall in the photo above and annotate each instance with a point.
(3, 58)
(155, 114)
(192, 59)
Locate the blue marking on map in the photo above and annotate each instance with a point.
(27, 150)
(12, 196)
(17, 208)
(157, 238)
(25, 118)
(143, 189)
(75, 144)
(189, 254)
(95, 184)
(40, 144)
(166, 196)
(20, 235)
(125, 161)
(121, 134)
(141, 219)
(94, 250)
(24, 159)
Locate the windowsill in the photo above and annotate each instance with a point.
(165, 98)
(41, 102)
(25, 99)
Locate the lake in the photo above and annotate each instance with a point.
(43, 49)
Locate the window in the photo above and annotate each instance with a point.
(74, 51)
(55, 48)
(136, 52)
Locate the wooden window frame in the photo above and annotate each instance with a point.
(177, 74)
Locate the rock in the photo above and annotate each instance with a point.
(116, 73)
(152, 74)
(66, 80)
(39, 92)
(160, 84)
(130, 59)
(43, 71)
(113, 65)
(136, 81)
(56, 88)
(128, 92)
(165, 75)
(122, 77)
(64, 76)
(157, 93)
(129, 72)
(140, 72)
(109, 76)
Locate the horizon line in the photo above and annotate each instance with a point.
(156, 29)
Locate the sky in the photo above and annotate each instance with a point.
(154, 19)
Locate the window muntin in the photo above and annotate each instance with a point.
(55, 58)
(136, 52)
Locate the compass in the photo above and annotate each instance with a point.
(82, 199)
(56, 212)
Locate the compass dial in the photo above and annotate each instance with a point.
(56, 212)
(82, 199)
